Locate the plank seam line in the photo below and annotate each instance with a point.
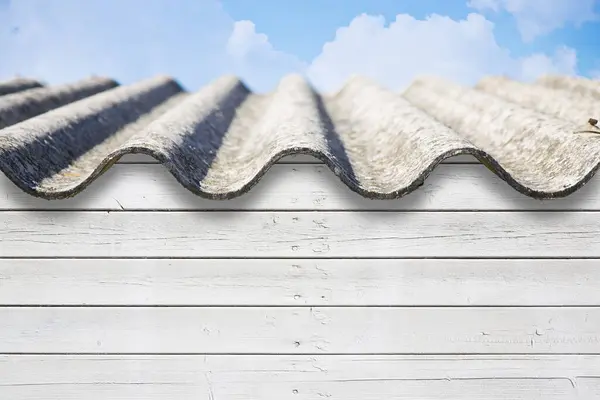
(294, 354)
(303, 306)
(366, 258)
(464, 378)
(459, 356)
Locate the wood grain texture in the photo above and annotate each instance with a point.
(299, 330)
(299, 282)
(299, 377)
(299, 187)
(299, 306)
(299, 234)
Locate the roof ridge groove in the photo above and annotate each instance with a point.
(220, 140)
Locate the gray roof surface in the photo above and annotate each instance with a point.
(217, 142)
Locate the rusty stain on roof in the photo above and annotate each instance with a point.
(541, 138)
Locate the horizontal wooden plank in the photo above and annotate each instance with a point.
(298, 377)
(299, 187)
(295, 159)
(299, 282)
(299, 234)
(299, 330)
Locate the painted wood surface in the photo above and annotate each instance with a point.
(300, 234)
(299, 187)
(300, 377)
(299, 282)
(300, 330)
(138, 289)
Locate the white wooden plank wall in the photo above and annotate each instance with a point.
(138, 289)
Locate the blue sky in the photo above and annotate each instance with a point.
(391, 41)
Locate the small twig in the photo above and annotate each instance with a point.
(592, 127)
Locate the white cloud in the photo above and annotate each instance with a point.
(244, 39)
(564, 61)
(462, 50)
(65, 40)
(255, 59)
(539, 17)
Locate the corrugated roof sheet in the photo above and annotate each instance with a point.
(219, 141)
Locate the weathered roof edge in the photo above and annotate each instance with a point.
(330, 160)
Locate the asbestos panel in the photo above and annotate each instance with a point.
(217, 142)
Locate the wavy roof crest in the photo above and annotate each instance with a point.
(541, 138)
